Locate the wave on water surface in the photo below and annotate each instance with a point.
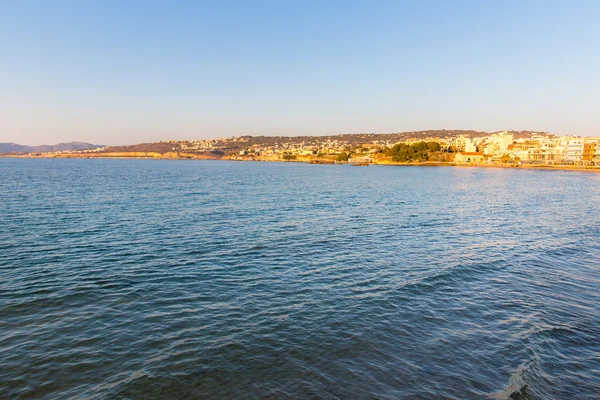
(197, 279)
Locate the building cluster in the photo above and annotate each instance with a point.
(500, 147)
(303, 148)
(197, 145)
(76, 151)
(537, 149)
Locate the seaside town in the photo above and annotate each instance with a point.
(523, 148)
(501, 147)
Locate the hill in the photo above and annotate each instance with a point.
(18, 148)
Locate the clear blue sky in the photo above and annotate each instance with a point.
(116, 72)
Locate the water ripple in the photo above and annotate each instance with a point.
(157, 279)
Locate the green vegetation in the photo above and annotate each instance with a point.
(507, 159)
(421, 151)
(288, 157)
(342, 157)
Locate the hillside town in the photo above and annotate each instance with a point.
(455, 147)
(501, 147)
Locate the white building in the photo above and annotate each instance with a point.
(470, 146)
(461, 143)
(574, 149)
(498, 143)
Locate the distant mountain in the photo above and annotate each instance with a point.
(18, 148)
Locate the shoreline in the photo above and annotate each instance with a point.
(500, 166)
(156, 156)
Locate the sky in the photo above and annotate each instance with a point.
(124, 72)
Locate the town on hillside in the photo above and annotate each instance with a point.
(442, 146)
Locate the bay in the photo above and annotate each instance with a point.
(147, 279)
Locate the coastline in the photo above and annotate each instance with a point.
(502, 166)
(306, 160)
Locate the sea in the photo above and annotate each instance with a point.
(156, 279)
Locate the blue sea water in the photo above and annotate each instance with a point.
(143, 279)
